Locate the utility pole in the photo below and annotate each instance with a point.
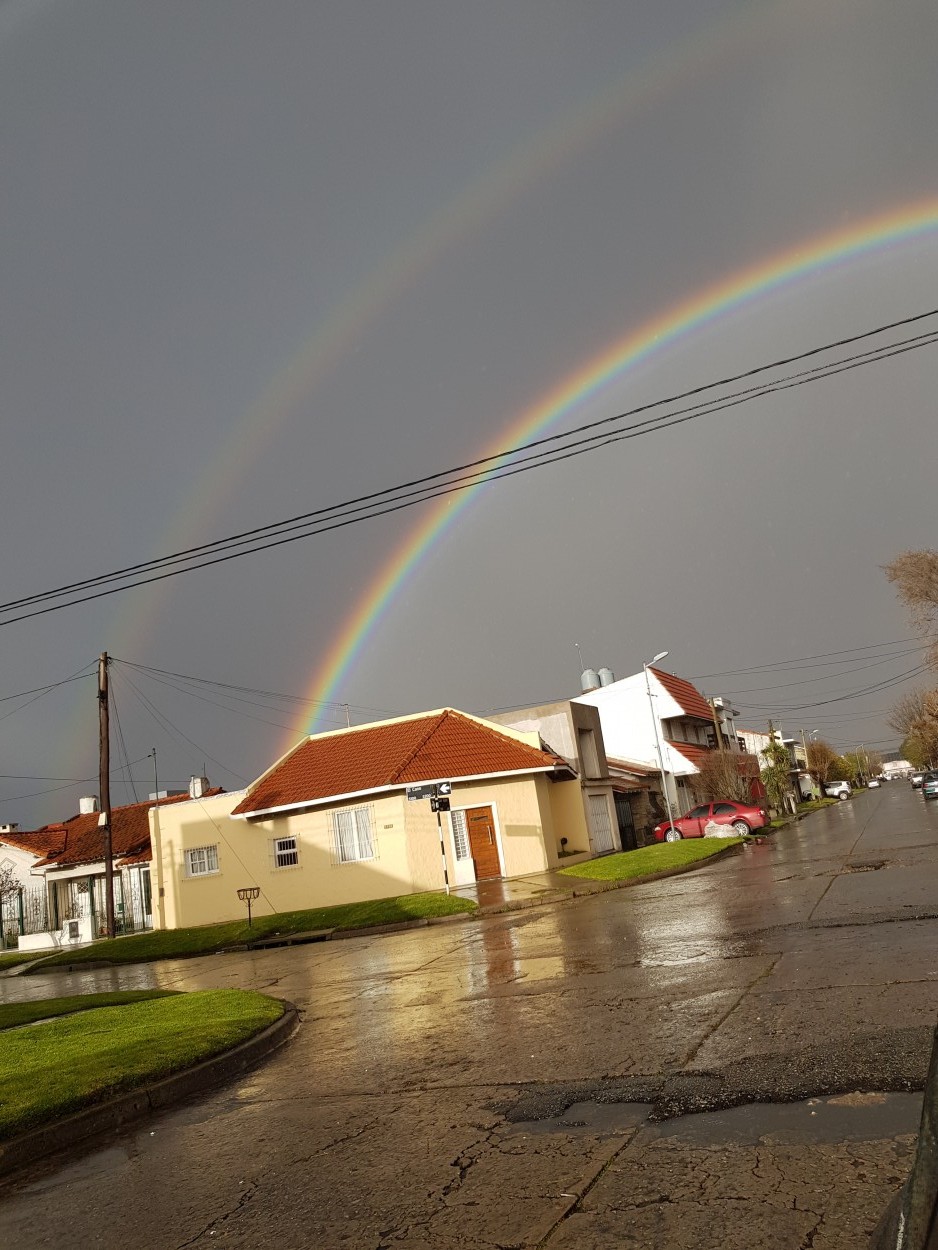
(104, 786)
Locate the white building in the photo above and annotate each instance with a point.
(639, 714)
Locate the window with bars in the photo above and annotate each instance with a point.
(286, 853)
(201, 860)
(354, 833)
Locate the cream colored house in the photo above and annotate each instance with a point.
(331, 822)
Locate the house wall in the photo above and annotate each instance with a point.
(20, 863)
(627, 724)
(407, 840)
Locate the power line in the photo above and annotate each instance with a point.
(779, 664)
(389, 500)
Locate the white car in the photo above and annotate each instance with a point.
(838, 790)
(873, 783)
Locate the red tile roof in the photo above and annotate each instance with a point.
(80, 840)
(683, 693)
(693, 754)
(392, 754)
(38, 842)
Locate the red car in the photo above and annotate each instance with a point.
(744, 817)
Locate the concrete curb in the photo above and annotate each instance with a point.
(118, 1112)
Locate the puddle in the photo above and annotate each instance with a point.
(845, 1117)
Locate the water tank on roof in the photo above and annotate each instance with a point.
(87, 804)
(606, 676)
(589, 680)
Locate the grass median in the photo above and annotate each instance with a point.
(51, 1069)
(649, 860)
(209, 939)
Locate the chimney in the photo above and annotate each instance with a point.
(12, 827)
(87, 804)
(198, 786)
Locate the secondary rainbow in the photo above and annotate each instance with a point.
(910, 223)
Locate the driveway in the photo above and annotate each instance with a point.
(586, 1074)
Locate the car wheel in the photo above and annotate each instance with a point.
(842, 796)
(673, 835)
(740, 828)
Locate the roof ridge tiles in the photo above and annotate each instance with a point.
(437, 721)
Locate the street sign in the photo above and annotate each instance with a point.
(430, 791)
(421, 792)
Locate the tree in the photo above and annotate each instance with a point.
(915, 577)
(9, 888)
(822, 762)
(776, 776)
(725, 775)
(915, 716)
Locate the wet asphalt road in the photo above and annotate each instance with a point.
(446, 1088)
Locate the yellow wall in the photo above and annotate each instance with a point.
(567, 801)
(408, 856)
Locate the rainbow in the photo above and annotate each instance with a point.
(823, 253)
(487, 194)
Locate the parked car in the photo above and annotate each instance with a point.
(742, 817)
(930, 786)
(916, 778)
(873, 783)
(838, 790)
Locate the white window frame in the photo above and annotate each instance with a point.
(357, 842)
(283, 857)
(208, 854)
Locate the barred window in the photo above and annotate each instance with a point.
(201, 860)
(354, 833)
(286, 853)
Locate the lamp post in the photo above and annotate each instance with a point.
(654, 720)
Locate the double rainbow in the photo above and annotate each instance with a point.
(910, 223)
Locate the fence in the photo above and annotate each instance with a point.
(24, 911)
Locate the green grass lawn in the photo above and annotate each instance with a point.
(12, 958)
(650, 859)
(48, 1070)
(206, 939)
(14, 1014)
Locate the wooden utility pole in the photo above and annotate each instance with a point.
(104, 787)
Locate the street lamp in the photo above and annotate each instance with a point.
(654, 720)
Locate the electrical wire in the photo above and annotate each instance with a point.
(166, 724)
(122, 745)
(391, 500)
(777, 665)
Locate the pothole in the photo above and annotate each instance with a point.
(845, 1117)
(866, 865)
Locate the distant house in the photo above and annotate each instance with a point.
(23, 909)
(644, 715)
(67, 862)
(331, 822)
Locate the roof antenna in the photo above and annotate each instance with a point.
(579, 656)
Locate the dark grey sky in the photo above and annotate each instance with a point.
(258, 258)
